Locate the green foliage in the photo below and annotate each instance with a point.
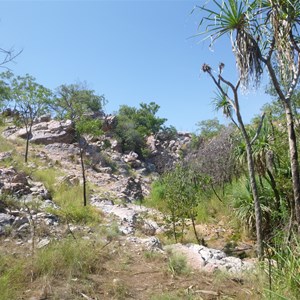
(243, 204)
(177, 264)
(177, 194)
(75, 100)
(88, 126)
(157, 196)
(134, 125)
(79, 104)
(29, 98)
(4, 144)
(169, 132)
(284, 273)
(209, 128)
(69, 199)
(153, 255)
(112, 231)
(48, 176)
(4, 92)
(195, 142)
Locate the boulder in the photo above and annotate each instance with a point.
(43, 118)
(5, 220)
(132, 188)
(5, 155)
(109, 123)
(46, 132)
(12, 182)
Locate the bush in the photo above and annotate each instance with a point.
(177, 264)
(284, 274)
(134, 125)
(157, 196)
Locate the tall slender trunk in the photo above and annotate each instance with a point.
(253, 184)
(286, 101)
(83, 176)
(174, 226)
(251, 171)
(28, 136)
(273, 185)
(27, 147)
(200, 241)
(257, 208)
(293, 159)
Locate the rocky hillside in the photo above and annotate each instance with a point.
(32, 217)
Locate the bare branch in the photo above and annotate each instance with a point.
(9, 56)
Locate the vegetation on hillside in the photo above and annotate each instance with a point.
(242, 176)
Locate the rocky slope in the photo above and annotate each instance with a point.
(119, 178)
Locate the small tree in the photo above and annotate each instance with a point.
(209, 128)
(79, 104)
(134, 125)
(182, 188)
(29, 98)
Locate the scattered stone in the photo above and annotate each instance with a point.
(5, 155)
(210, 260)
(132, 188)
(42, 243)
(43, 118)
(71, 180)
(5, 221)
(151, 244)
(19, 221)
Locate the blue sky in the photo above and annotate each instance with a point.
(130, 51)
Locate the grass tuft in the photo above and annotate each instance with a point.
(177, 264)
(70, 201)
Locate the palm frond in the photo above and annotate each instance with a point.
(220, 102)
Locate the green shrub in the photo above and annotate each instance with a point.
(177, 264)
(243, 205)
(284, 274)
(157, 196)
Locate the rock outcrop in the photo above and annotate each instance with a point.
(210, 260)
(45, 132)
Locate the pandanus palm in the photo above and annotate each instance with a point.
(263, 34)
(227, 98)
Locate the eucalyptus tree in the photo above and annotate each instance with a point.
(83, 107)
(29, 98)
(264, 34)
